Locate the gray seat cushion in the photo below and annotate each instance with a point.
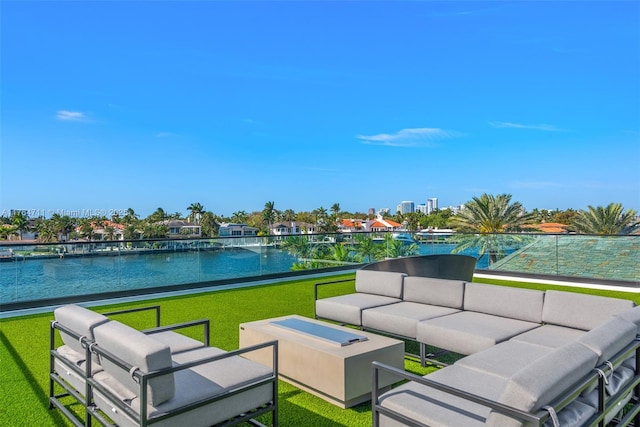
(427, 290)
(348, 308)
(580, 311)
(504, 359)
(436, 408)
(77, 381)
(504, 301)
(402, 318)
(551, 336)
(192, 385)
(469, 332)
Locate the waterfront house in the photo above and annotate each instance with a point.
(229, 229)
(382, 224)
(181, 229)
(374, 225)
(292, 228)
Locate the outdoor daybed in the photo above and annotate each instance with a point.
(532, 357)
(156, 377)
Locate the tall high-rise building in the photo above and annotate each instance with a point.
(432, 204)
(406, 207)
(422, 207)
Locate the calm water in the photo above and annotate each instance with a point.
(57, 277)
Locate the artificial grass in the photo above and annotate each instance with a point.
(24, 348)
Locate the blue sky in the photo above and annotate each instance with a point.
(109, 105)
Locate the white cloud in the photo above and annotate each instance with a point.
(413, 137)
(548, 128)
(71, 116)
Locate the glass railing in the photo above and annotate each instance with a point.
(44, 272)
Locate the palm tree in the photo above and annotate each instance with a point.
(209, 224)
(394, 248)
(45, 231)
(130, 217)
(158, 216)
(491, 214)
(155, 231)
(268, 214)
(20, 221)
(109, 232)
(239, 217)
(297, 246)
(130, 233)
(335, 210)
(289, 215)
(612, 219)
(196, 210)
(366, 248)
(486, 216)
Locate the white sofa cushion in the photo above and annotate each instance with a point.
(609, 338)
(402, 318)
(468, 332)
(385, 283)
(81, 321)
(427, 290)
(348, 308)
(138, 350)
(504, 301)
(195, 384)
(580, 311)
(544, 380)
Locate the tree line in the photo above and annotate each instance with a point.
(483, 214)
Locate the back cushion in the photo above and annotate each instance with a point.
(141, 351)
(505, 301)
(427, 290)
(544, 380)
(580, 311)
(81, 321)
(385, 283)
(632, 315)
(609, 338)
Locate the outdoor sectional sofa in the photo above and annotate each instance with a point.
(126, 377)
(532, 357)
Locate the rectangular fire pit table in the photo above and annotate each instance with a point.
(329, 361)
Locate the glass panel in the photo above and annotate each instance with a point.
(31, 272)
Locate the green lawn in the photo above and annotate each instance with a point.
(24, 361)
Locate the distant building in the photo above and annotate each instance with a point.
(292, 228)
(406, 207)
(180, 228)
(352, 225)
(432, 205)
(422, 208)
(382, 224)
(372, 225)
(548, 227)
(233, 229)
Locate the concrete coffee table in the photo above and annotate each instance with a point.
(329, 361)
